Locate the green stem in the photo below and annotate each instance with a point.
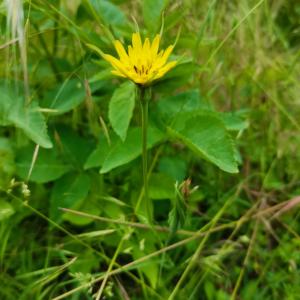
(144, 110)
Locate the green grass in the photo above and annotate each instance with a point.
(73, 220)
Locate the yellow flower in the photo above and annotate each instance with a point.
(142, 63)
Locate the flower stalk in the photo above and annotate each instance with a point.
(143, 95)
(143, 63)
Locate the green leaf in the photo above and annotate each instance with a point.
(146, 246)
(6, 102)
(47, 167)
(122, 153)
(210, 290)
(161, 186)
(179, 109)
(188, 101)
(97, 157)
(7, 164)
(109, 13)
(65, 97)
(178, 76)
(206, 135)
(175, 167)
(86, 264)
(121, 107)
(152, 12)
(75, 148)
(68, 192)
(32, 122)
(234, 121)
(28, 118)
(87, 207)
(6, 210)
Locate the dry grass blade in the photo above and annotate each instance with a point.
(288, 205)
(126, 223)
(9, 43)
(33, 161)
(16, 31)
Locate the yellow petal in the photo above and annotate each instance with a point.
(146, 46)
(147, 57)
(137, 50)
(162, 58)
(140, 80)
(116, 64)
(118, 73)
(134, 77)
(167, 53)
(132, 57)
(130, 52)
(155, 45)
(112, 60)
(136, 41)
(121, 51)
(165, 69)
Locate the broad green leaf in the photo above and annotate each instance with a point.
(32, 122)
(97, 157)
(14, 111)
(6, 210)
(152, 12)
(109, 13)
(191, 103)
(65, 97)
(87, 262)
(161, 186)
(175, 167)
(28, 118)
(68, 192)
(46, 168)
(206, 135)
(75, 148)
(123, 152)
(121, 108)
(111, 209)
(188, 101)
(234, 121)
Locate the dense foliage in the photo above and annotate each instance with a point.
(223, 152)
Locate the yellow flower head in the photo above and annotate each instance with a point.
(142, 63)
